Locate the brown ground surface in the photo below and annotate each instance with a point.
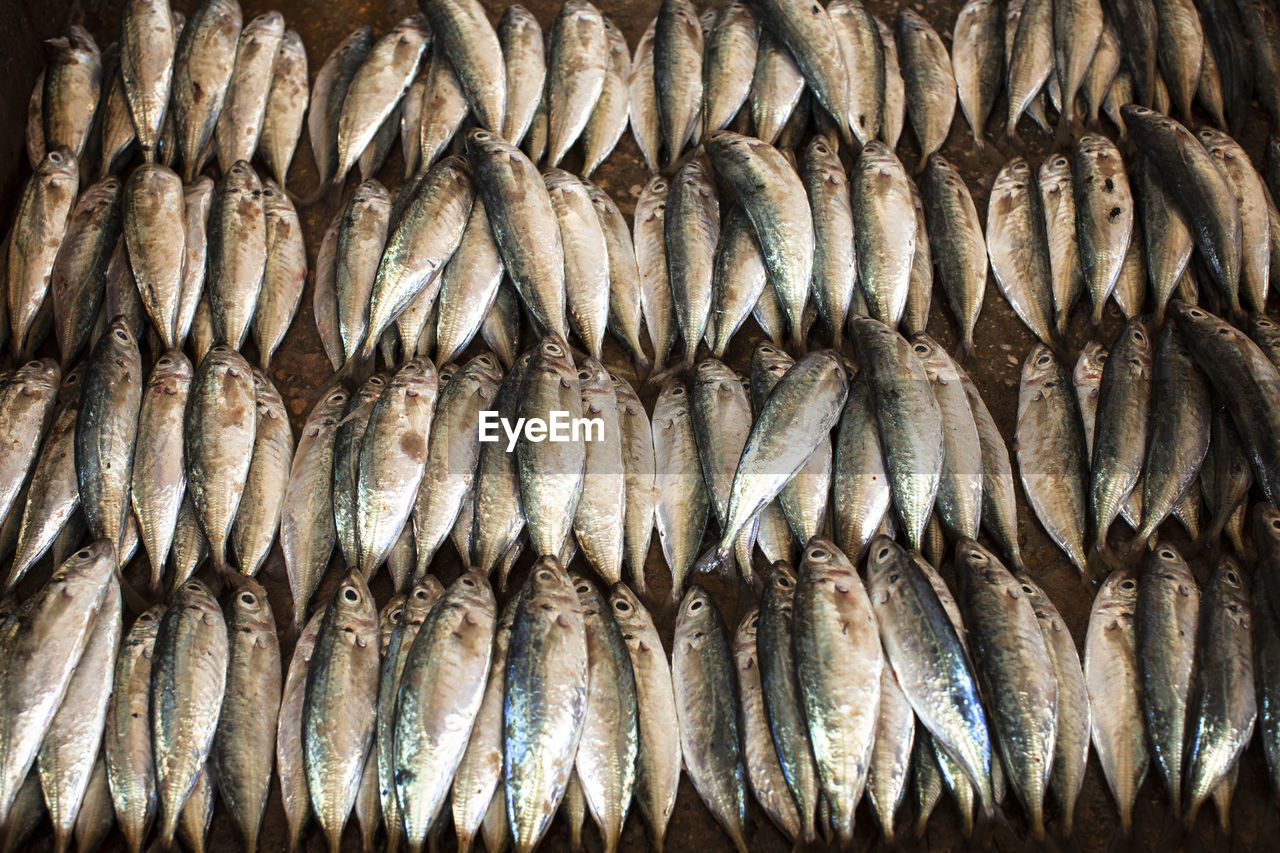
(301, 372)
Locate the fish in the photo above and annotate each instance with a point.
(1016, 670)
(1077, 28)
(681, 499)
(957, 245)
(678, 70)
(1255, 226)
(977, 59)
(587, 284)
(284, 273)
(524, 58)
(692, 227)
(237, 253)
(771, 193)
(203, 63)
(440, 693)
(239, 125)
(152, 200)
(835, 262)
(375, 88)
(159, 478)
(1104, 216)
(243, 748)
(1201, 190)
(498, 518)
(706, 705)
(1111, 672)
(1223, 708)
(338, 704)
(443, 108)
(127, 735)
(328, 92)
(861, 485)
(646, 127)
(599, 524)
(72, 84)
(148, 38)
(545, 700)
(474, 50)
(524, 225)
(609, 118)
(1058, 203)
(777, 85)
(885, 231)
(1120, 435)
(959, 501)
(287, 100)
(811, 37)
(940, 685)
(1019, 248)
(40, 222)
(307, 532)
(77, 279)
(930, 84)
(258, 517)
(188, 679)
(649, 239)
(729, 60)
(833, 623)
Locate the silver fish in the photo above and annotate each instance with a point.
(147, 41)
(239, 125)
(202, 66)
(474, 50)
(328, 93)
(524, 57)
(287, 102)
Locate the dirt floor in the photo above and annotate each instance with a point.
(301, 372)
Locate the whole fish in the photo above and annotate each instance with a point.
(1019, 247)
(244, 745)
(473, 48)
(1167, 236)
(203, 62)
(895, 95)
(218, 443)
(29, 397)
(1016, 670)
(770, 191)
(524, 55)
(67, 754)
(393, 453)
(810, 36)
(375, 88)
(940, 685)
(453, 453)
(159, 479)
(524, 225)
(692, 226)
(188, 679)
(45, 638)
(909, 420)
(864, 59)
(40, 221)
(599, 525)
(237, 253)
(1057, 196)
(834, 260)
(999, 504)
(443, 107)
(721, 422)
(1167, 616)
(152, 201)
(240, 123)
(776, 87)
(1053, 459)
(838, 664)
(127, 736)
(287, 100)
(78, 277)
(959, 500)
(53, 496)
(426, 235)
(290, 766)
(72, 83)
(977, 58)
(1087, 379)
(361, 238)
(643, 117)
(258, 516)
(497, 517)
(1255, 225)
(930, 83)
(681, 500)
(738, 278)
(307, 532)
(586, 264)
(763, 771)
(284, 273)
(890, 768)
(957, 244)
(1120, 435)
(1178, 441)
(1104, 218)
(730, 57)
(440, 693)
(1077, 28)
(678, 46)
(328, 93)
(885, 232)
(861, 486)
(1192, 179)
(339, 702)
(106, 431)
(639, 466)
(1224, 705)
(609, 117)
(147, 41)
(1111, 672)
(545, 700)
(649, 238)
(197, 204)
(706, 705)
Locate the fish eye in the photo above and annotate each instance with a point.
(121, 335)
(247, 598)
(1275, 524)
(193, 587)
(1166, 554)
(979, 557)
(884, 553)
(164, 362)
(584, 375)
(468, 582)
(677, 391)
(621, 606)
(554, 349)
(480, 134)
(1138, 336)
(84, 554)
(1232, 579)
(582, 588)
(420, 594)
(1127, 585)
(767, 350)
(484, 359)
(1043, 361)
(697, 605)
(921, 349)
(893, 578)
(818, 554)
(1197, 313)
(1028, 590)
(544, 575)
(350, 594)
